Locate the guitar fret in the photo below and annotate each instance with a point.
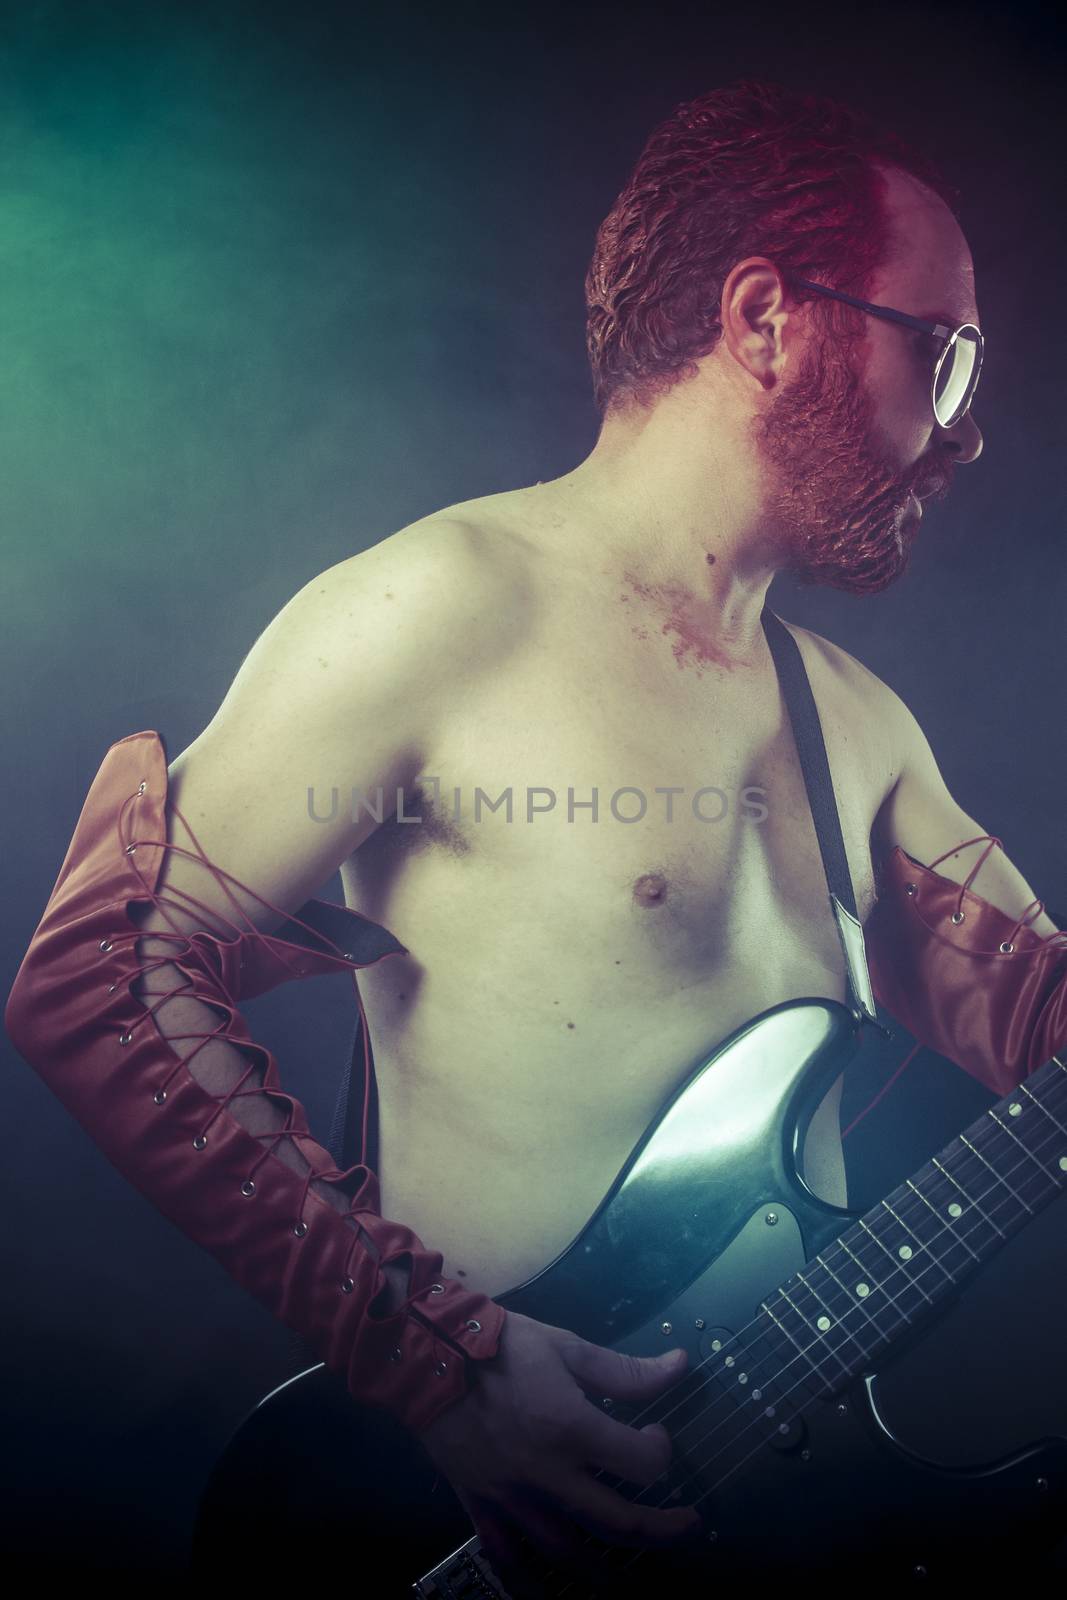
(1043, 1108)
(1003, 1202)
(1006, 1127)
(1051, 1086)
(872, 1256)
(955, 1252)
(820, 1349)
(848, 1296)
(878, 1302)
(909, 1248)
(829, 1317)
(847, 1302)
(982, 1234)
(1000, 1179)
(807, 1363)
(1030, 1122)
(909, 1296)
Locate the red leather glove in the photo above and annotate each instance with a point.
(71, 1014)
(962, 977)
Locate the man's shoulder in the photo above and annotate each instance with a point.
(454, 579)
(464, 553)
(846, 669)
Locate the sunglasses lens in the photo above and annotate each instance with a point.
(957, 376)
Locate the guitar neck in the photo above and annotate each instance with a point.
(907, 1255)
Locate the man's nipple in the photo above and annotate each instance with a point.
(650, 889)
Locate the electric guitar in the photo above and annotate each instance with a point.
(788, 1307)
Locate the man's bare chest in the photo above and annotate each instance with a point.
(605, 880)
(579, 805)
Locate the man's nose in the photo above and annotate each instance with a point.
(964, 440)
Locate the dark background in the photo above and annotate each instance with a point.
(279, 279)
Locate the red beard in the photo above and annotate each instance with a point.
(839, 506)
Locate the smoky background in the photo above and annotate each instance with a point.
(279, 279)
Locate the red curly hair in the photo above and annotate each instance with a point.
(751, 169)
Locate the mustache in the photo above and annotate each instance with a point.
(934, 488)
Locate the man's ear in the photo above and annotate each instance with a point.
(759, 323)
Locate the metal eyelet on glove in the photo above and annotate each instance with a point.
(106, 945)
(124, 1038)
(909, 888)
(248, 1187)
(1006, 948)
(159, 1096)
(347, 1285)
(200, 1141)
(474, 1327)
(957, 916)
(300, 1228)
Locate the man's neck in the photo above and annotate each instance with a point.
(676, 528)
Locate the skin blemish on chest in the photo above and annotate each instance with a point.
(686, 619)
(650, 889)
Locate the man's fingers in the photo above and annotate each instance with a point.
(616, 1520)
(620, 1376)
(637, 1455)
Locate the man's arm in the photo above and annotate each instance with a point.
(921, 816)
(338, 695)
(140, 1036)
(960, 949)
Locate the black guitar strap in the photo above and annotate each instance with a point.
(359, 1088)
(811, 748)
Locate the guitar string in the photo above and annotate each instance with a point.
(948, 1231)
(1049, 1138)
(614, 1552)
(610, 1553)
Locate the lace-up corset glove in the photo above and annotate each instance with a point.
(73, 1015)
(962, 976)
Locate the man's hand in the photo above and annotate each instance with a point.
(523, 1449)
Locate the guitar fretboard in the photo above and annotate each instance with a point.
(905, 1256)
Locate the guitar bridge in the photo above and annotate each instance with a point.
(464, 1575)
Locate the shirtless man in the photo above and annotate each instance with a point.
(601, 632)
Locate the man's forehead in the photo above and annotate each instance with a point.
(929, 270)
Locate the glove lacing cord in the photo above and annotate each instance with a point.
(227, 1002)
(1007, 948)
(1034, 909)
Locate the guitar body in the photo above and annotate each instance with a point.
(706, 1218)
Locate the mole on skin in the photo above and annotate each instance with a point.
(650, 889)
